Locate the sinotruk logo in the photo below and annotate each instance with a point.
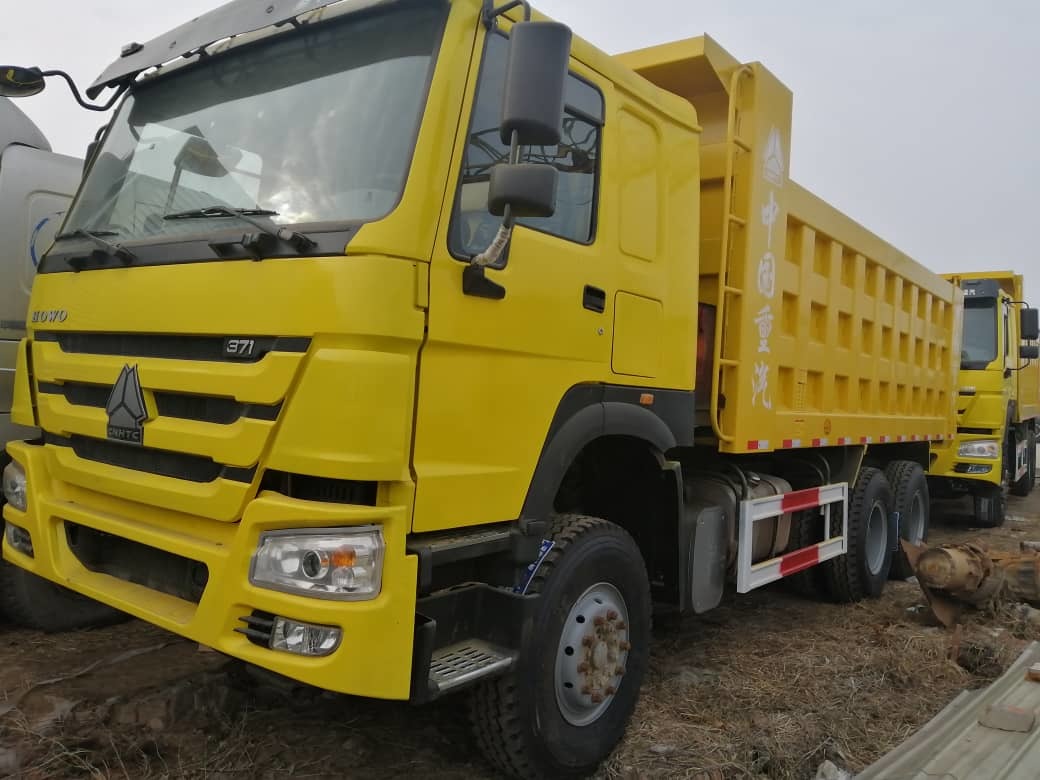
(126, 408)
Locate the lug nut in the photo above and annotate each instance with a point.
(621, 625)
(586, 690)
(612, 615)
(583, 667)
(597, 698)
(599, 621)
(587, 641)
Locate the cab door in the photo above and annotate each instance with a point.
(493, 371)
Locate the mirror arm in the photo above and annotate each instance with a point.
(492, 256)
(79, 98)
(491, 13)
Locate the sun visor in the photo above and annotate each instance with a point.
(234, 18)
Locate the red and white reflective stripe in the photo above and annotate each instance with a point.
(760, 444)
(819, 442)
(843, 440)
(755, 575)
(866, 439)
(789, 444)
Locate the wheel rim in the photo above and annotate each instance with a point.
(877, 538)
(590, 659)
(915, 520)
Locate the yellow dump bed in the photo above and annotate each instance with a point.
(824, 334)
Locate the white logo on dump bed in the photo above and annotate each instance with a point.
(770, 213)
(760, 386)
(764, 320)
(773, 163)
(773, 173)
(767, 275)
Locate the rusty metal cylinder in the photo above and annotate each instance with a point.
(953, 569)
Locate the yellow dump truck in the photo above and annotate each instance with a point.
(998, 390)
(404, 348)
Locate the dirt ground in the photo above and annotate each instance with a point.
(767, 686)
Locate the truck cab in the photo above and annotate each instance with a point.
(994, 452)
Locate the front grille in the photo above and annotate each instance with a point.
(193, 468)
(210, 348)
(335, 491)
(211, 409)
(138, 563)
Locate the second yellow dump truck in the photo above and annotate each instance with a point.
(998, 398)
(407, 348)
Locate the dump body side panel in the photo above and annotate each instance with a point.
(824, 333)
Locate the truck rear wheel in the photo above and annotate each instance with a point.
(862, 572)
(911, 500)
(1024, 486)
(566, 704)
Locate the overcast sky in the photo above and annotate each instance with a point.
(921, 120)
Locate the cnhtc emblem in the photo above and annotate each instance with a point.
(126, 409)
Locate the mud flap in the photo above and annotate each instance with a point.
(703, 546)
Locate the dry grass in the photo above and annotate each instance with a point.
(798, 683)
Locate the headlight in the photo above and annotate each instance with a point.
(14, 486)
(984, 448)
(331, 563)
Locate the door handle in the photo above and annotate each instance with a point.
(594, 299)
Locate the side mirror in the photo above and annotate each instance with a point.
(1029, 352)
(16, 82)
(1029, 324)
(527, 189)
(92, 147)
(532, 107)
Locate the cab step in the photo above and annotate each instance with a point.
(467, 662)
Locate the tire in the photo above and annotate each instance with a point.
(1024, 486)
(807, 529)
(991, 500)
(528, 723)
(990, 506)
(912, 501)
(863, 571)
(33, 602)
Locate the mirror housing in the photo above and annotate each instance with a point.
(527, 189)
(1029, 324)
(536, 73)
(1029, 352)
(16, 82)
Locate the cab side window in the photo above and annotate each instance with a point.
(576, 159)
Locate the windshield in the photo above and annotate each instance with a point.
(317, 125)
(979, 345)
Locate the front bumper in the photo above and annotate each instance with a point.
(374, 658)
(948, 464)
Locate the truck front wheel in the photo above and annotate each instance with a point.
(33, 602)
(566, 704)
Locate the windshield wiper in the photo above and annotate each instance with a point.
(221, 211)
(260, 244)
(98, 238)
